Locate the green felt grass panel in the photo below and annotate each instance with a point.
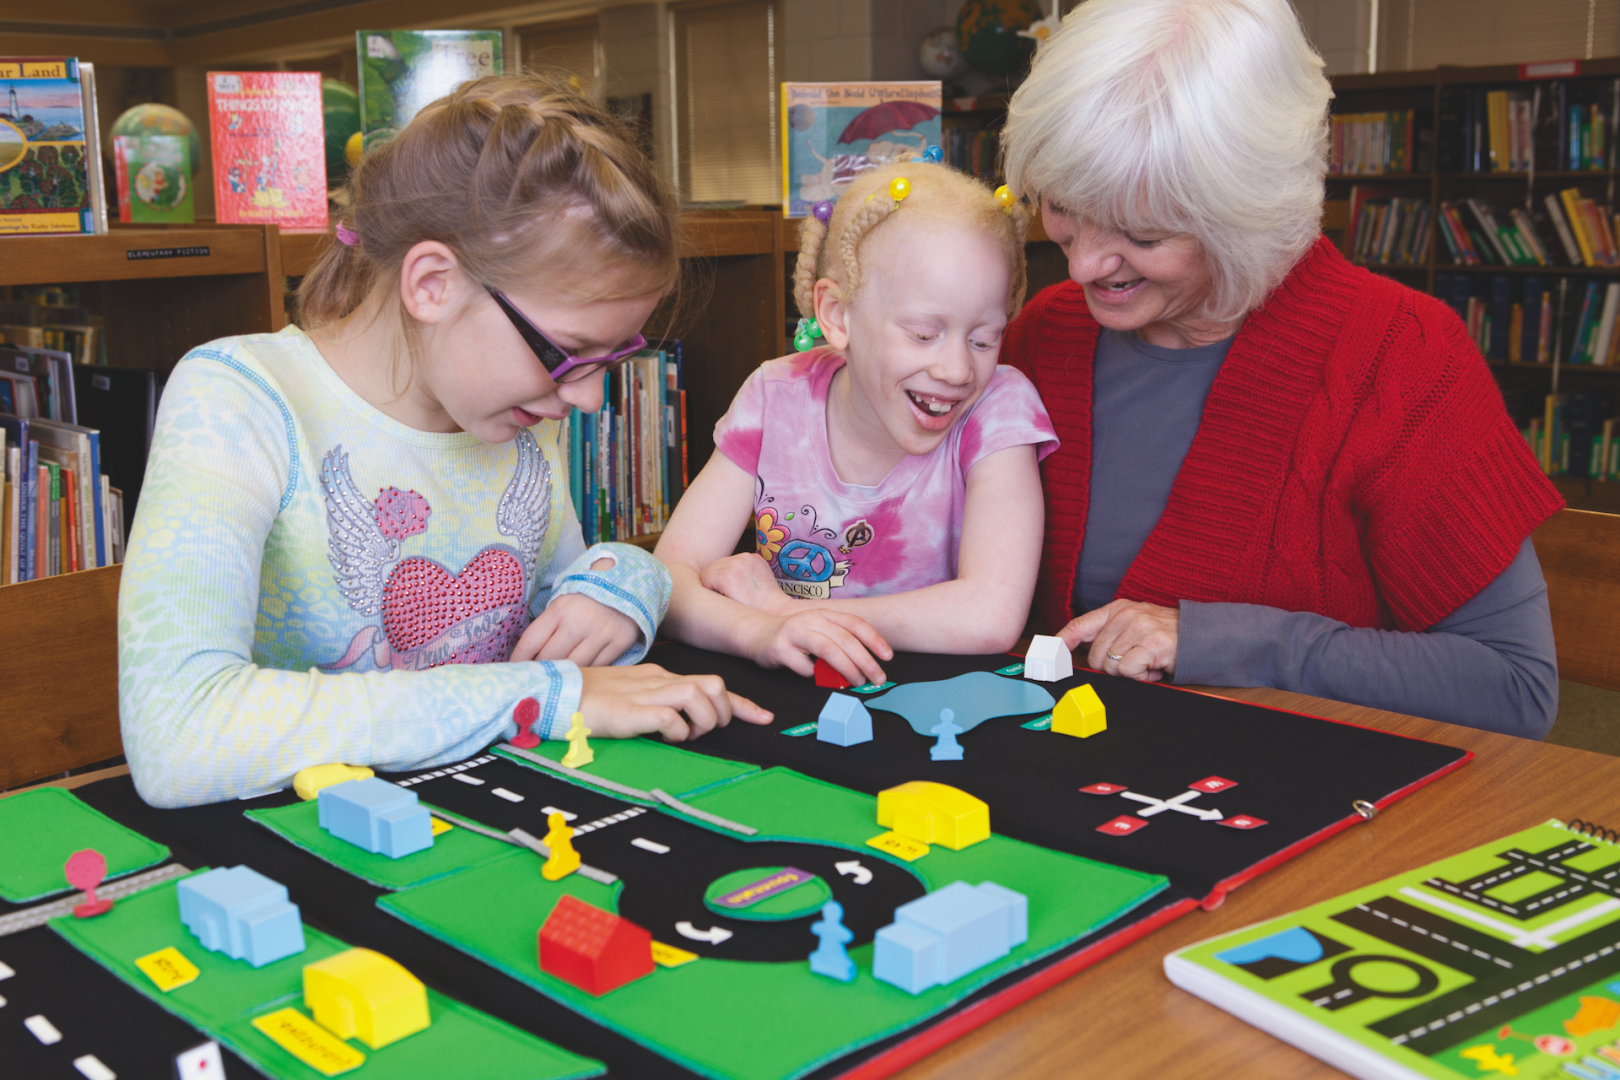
(451, 852)
(38, 831)
(649, 763)
(228, 994)
(769, 1021)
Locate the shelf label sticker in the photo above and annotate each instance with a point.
(903, 847)
(168, 969)
(133, 254)
(310, 1043)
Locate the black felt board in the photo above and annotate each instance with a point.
(1300, 774)
(96, 1012)
(342, 905)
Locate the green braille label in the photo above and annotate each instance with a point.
(1042, 724)
(872, 688)
(1011, 669)
(803, 729)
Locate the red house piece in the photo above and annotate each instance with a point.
(827, 677)
(593, 949)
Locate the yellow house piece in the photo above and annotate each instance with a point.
(935, 814)
(363, 994)
(1080, 713)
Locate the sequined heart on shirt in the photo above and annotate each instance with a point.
(423, 602)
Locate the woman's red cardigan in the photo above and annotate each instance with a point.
(1354, 458)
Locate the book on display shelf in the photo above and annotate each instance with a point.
(50, 162)
(269, 148)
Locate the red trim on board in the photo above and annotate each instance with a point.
(947, 1031)
(1217, 895)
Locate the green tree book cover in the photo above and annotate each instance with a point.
(403, 70)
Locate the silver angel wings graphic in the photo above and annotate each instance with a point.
(361, 551)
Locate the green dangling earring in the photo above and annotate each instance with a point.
(804, 339)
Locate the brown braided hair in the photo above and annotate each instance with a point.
(938, 193)
(522, 178)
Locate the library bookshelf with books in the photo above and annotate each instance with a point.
(1493, 188)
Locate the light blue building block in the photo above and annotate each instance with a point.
(241, 913)
(844, 721)
(949, 933)
(373, 814)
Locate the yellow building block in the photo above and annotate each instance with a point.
(934, 814)
(1080, 713)
(365, 995)
(308, 782)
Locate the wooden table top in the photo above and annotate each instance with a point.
(1123, 1018)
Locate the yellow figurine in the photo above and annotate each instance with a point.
(564, 860)
(579, 751)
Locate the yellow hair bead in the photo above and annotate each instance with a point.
(1005, 197)
(899, 188)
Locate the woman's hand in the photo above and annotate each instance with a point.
(747, 579)
(621, 702)
(577, 628)
(847, 642)
(1143, 638)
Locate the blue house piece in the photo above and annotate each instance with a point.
(844, 721)
(241, 913)
(949, 933)
(376, 815)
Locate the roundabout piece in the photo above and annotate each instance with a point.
(767, 894)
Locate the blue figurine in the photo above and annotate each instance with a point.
(830, 959)
(947, 749)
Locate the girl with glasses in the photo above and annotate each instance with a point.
(355, 542)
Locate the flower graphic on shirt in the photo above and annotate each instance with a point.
(768, 536)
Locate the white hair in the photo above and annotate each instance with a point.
(1207, 117)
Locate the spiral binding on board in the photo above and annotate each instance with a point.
(1594, 830)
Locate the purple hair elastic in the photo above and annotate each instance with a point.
(823, 211)
(346, 235)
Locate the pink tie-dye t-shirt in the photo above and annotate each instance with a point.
(825, 538)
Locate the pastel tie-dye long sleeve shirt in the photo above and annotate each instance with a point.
(310, 581)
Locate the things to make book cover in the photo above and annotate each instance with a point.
(269, 148)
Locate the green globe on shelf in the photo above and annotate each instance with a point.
(340, 106)
(155, 119)
(987, 31)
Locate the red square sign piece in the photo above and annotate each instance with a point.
(1242, 821)
(1103, 789)
(1213, 783)
(1123, 825)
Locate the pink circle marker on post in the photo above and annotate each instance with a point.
(86, 870)
(524, 716)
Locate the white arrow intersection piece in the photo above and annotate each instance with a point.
(1175, 802)
(714, 935)
(854, 869)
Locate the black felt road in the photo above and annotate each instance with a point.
(1299, 774)
(96, 1012)
(663, 890)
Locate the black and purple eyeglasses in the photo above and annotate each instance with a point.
(561, 366)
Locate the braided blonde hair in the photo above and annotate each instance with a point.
(522, 178)
(938, 193)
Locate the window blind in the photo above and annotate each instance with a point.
(725, 95)
(1416, 34)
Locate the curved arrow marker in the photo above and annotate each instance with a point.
(714, 935)
(854, 869)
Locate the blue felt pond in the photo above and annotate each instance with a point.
(974, 698)
(1298, 945)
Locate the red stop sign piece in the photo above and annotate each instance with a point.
(86, 870)
(524, 716)
(1242, 821)
(1123, 825)
(1213, 783)
(1103, 788)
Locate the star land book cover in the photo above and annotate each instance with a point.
(44, 182)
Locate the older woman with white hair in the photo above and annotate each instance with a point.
(1276, 469)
